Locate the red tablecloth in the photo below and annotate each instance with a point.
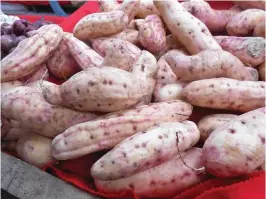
(77, 173)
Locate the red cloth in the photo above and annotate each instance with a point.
(77, 171)
(33, 3)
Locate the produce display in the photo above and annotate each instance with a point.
(132, 76)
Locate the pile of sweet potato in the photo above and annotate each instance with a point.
(132, 73)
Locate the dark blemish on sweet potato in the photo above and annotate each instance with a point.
(124, 154)
(113, 161)
(162, 77)
(158, 160)
(144, 144)
(243, 122)
(131, 186)
(249, 158)
(78, 91)
(165, 135)
(80, 105)
(211, 102)
(109, 104)
(173, 180)
(104, 82)
(106, 133)
(117, 131)
(131, 138)
(91, 137)
(203, 30)
(110, 82)
(98, 105)
(262, 139)
(160, 137)
(101, 165)
(125, 85)
(136, 146)
(135, 164)
(254, 117)
(144, 132)
(152, 182)
(65, 142)
(232, 131)
(178, 24)
(142, 67)
(211, 86)
(134, 128)
(262, 86)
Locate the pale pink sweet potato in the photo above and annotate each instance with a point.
(10, 129)
(27, 106)
(209, 123)
(100, 25)
(261, 70)
(128, 35)
(225, 93)
(244, 22)
(146, 7)
(215, 20)
(206, 64)
(258, 4)
(41, 72)
(152, 35)
(259, 30)
(84, 56)
(138, 22)
(164, 76)
(193, 34)
(108, 5)
(61, 64)
(30, 53)
(7, 86)
(106, 89)
(249, 50)
(171, 92)
(121, 54)
(109, 130)
(237, 147)
(145, 150)
(130, 8)
(163, 181)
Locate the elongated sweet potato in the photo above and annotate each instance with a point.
(224, 93)
(215, 20)
(249, 50)
(130, 8)
(259, 4)
(259, 30)
(145, 150)
(61, 64)
(163, 181)
(82, 53)
(244, 22)
(146, 7)
(100, 25)
(106, 89)
(206, 64)
(261, 70)
(210, 122)
(185, 27)
(108, 131)
(237, 147)
(27, 106)
(121, 54)
(30, 53)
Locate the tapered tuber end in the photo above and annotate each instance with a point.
(51, 92)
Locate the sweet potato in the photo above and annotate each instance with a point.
(61, 64)
(249, 50)
(185, 27)
(121, 54)
(237, 147)
(30, 53)
(138, 22)
(130, 8)
(108, 5)
(27, 106)
(10, 129)
(106, 89)
(128, 35)
(171, 92)
(206, 64)
(109, 130)
(261, 70)
(209, 123)
(224, 93)
(40, 73)
(145, 150)
(100, 25)
(259, 4)
(152, 35)
(33, 149)
(164, 76)
(259, 30)
(244, 22)
(163, 181)
(82, 53)
(146, 7)
(7, 86)
(215, 20)
(252, 74)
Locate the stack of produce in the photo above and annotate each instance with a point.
(132, 75)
